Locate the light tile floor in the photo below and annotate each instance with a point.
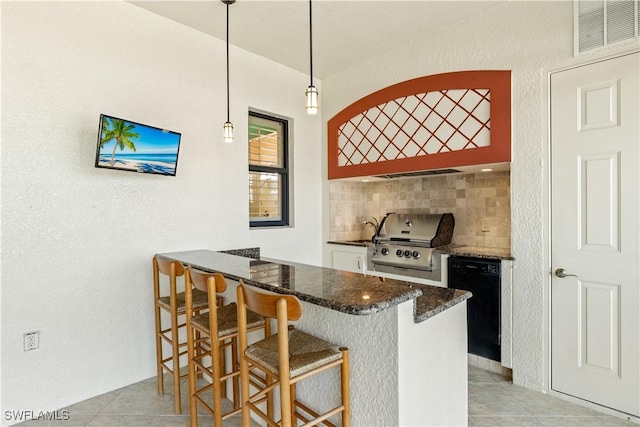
(493, 401)
(137, 405)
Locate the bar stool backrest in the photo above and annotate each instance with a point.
(201, 279)
(266, 303)
(165, 266)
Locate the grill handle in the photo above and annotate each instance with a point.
(376, 237)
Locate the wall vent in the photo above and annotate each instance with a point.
(419, 173)
(600, 23)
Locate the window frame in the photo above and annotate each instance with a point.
(283, 172)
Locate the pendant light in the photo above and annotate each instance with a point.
(311, 92)
(227, 129)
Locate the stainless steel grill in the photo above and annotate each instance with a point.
(407, 244)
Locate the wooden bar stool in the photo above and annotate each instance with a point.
(208, 336)
(174, 305)
(288, 356)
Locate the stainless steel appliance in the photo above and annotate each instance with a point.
(407, 244)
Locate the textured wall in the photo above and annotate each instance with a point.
(474, 199)
(373, 341)
(524, 37)
(433, 362)
(77, 241)
(396, 355)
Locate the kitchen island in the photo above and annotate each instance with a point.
(407, 342)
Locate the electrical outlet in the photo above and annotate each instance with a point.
(485, 225)
(31, 340)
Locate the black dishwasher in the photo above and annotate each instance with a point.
(481, 277)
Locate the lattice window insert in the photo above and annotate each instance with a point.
(442, 121)
(417, 125)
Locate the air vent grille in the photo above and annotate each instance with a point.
(419, 173)
(602, 23)
(620, 20)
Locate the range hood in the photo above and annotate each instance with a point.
(419, 173)
(492, 167)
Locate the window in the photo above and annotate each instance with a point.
(268, 171)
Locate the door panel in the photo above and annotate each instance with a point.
(600, 327)
(595, 232)
(599, 191)
(599, 105)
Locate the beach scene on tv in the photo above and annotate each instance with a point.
(132, 146)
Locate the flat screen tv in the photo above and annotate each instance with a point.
(134, 147)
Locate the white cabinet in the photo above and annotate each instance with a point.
(506, 345)
(349, 258)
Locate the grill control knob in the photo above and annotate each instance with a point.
(416, 254)
(385, 251)
(399, 252)
(407, 253)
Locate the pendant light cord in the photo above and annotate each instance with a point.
(227, 62)
(310, 46)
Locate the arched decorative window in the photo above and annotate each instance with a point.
(434, 122)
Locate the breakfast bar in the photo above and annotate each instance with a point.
(407, 341)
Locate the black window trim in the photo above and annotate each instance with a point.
(282, 172)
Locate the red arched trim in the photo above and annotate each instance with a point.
(499, 150)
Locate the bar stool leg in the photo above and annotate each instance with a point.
(345, 388)
(236, 379)
(293, 405)
(244, 365)
(269, 378)
(198, 353)
(193, 407)
(217, 385)
(283, 356)
(175, 364)
(223, 367)
(160, 371)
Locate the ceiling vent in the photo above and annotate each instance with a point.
(603, 23)
(419, 173)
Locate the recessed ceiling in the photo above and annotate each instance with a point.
(345, 33)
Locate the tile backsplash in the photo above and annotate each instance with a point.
(480, 203)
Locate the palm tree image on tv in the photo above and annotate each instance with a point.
(136, 147)
(121, 132)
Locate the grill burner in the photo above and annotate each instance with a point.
(405, 243)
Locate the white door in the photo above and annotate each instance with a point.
(595, 233)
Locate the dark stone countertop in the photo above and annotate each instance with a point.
(346, 292)
(435, 300)
(478, 252)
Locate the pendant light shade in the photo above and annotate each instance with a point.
(312, 100)
(312, 92)
(227, 132)
(227, 128)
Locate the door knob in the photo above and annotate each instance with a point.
(560, 272)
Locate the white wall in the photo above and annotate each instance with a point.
(524, 37)
(77, 241)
